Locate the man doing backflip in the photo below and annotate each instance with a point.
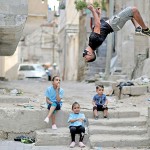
(102, 28)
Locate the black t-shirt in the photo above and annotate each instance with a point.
(95, 39)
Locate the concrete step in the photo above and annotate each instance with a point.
(114, 114)
(61, 136)
(10, 99)
(121, 148)
(107, 140)
(129, 130)
(116, 122)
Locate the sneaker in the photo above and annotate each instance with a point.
(54, 127)
(138, 30)
(96, 117)
(81, 144)
(46, 120)
(146, 32)
(72, 145)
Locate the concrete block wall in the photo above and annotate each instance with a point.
(17, 121)
(14, 7)
(27, 120)
(128, 45)
(128, 91)
(13, 15)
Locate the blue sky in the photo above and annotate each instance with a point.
(53, 3)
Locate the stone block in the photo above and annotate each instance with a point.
(51, 137)
(117, 77)
(105, 83)
(117, 92)
(25, 120)
(114, 85)
(9, 9)
(126, 90)
(3, 135)
(123, 114)
(138, 90)
(8, 46)
(13, 99)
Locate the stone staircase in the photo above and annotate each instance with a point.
(119, 132)
(122, 130)
(61, 136)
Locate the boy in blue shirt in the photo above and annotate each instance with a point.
(100, 102)
(76, 120)
(54, 94)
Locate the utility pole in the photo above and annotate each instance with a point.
(53, 42)
(109, 43)
(54, 37)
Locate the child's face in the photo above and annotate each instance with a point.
(76, 109)
(56, 81)
(100, 91)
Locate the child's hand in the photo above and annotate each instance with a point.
(58, 86)
(81, 119)
(104, 106)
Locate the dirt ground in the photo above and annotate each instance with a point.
(82, 92)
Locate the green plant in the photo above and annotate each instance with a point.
(80, 5)
(96, 5)
(104, 5)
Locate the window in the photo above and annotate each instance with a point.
(26, 68)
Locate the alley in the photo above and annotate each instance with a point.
(81, 92)
(74, 91)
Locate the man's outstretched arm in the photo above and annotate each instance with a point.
(96, 14)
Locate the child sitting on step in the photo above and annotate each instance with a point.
(54, 95)
(76, 120)
(100, 102)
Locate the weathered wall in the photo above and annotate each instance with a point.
(13, 15)
(68, 41)
(131, 49)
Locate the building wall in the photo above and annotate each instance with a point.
(68, 41)
(8, 66)
(39, 43)
(36, 17)
(131, 47)
(12, 20)
(128, 46)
